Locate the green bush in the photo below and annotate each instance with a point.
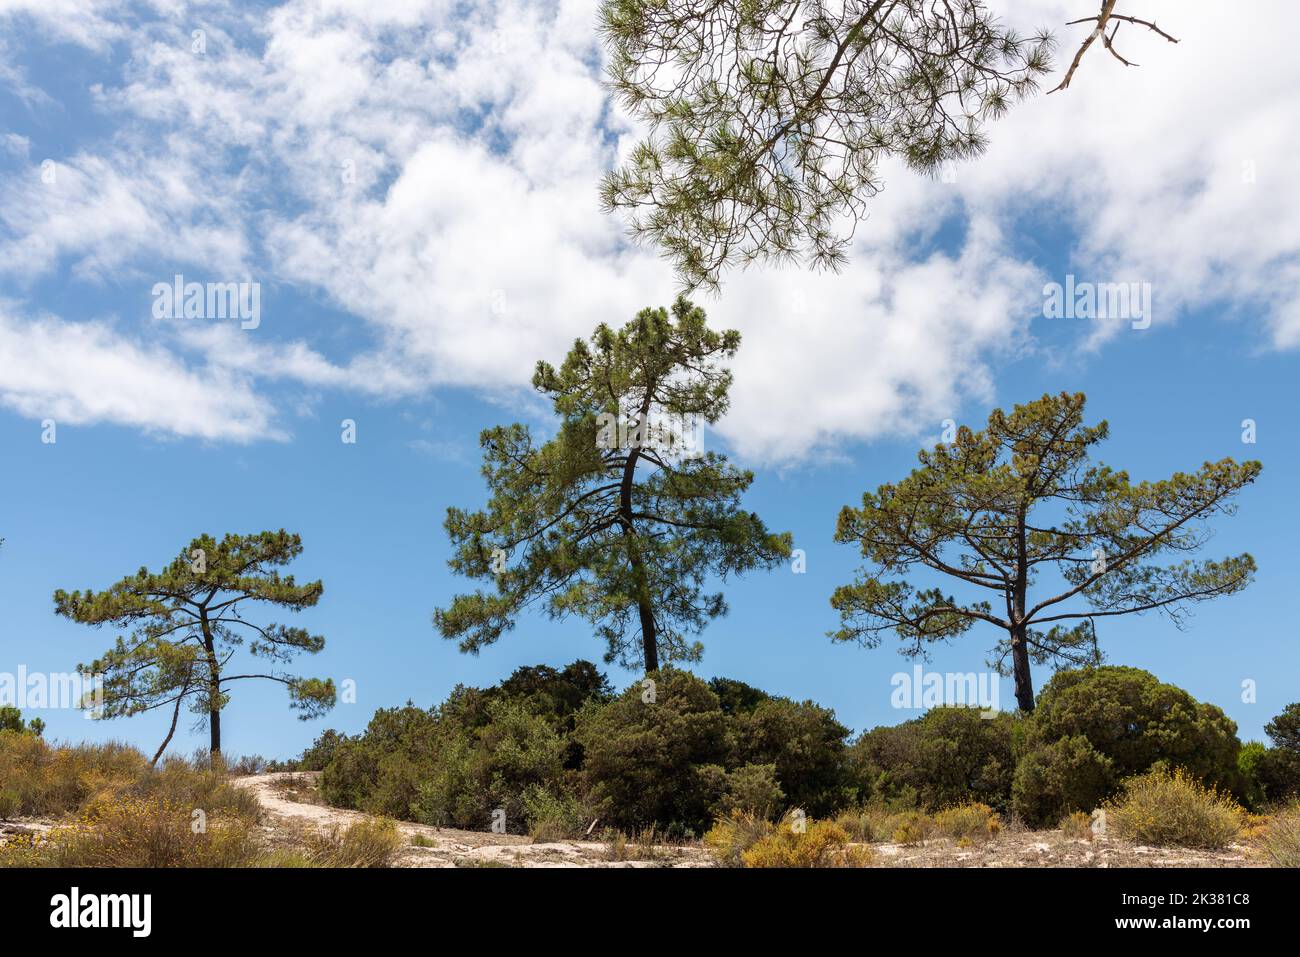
(1094, 727)
(804, 744)
(655, 761)
(1058, 778)
(947, 756)
(490, 769)
(752, 789)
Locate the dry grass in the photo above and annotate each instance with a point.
(732, 836)
(374, 843)
(970, 823)
(1077, 826)
(138, 832)
(1280, 837)
(1174, 810)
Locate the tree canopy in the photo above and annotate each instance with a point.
(621, 518)
(1021, 505)
(187, 624)
(768, 120)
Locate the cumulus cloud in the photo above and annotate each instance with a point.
(84, 373)
(431, 170)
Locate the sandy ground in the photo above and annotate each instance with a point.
(290, 802)
(292, 805)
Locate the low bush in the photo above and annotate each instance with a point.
(1280, 838)
(139, 832)
(816, 844)
(1077, 826)
(970, 822)
(1174, 809)
(363, 844)
(732, 836)
(910, 827)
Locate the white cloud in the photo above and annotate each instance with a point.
(82, 373)
(432, 171)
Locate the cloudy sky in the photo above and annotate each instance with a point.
(413, 187)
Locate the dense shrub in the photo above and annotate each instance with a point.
(1059, 777)
(752, 789)
(656, 760)
(491, 769)
(1094, 727)
(947, 756)
(1172, 808)
(804, 744)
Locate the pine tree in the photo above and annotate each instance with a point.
(620, 518)
(999, 510)
(187, 625)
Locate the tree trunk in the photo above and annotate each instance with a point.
(1020, 663)
(170, 731)
(649, 637)
(214, 691)
(649, 634)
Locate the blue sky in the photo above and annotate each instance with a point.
(414, 189)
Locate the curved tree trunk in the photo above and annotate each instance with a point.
(176, 713)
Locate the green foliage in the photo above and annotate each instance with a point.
(656, 760)
(11, 719)
(1094, 727)
(996, 510)
(804, 743)
(1284, 730)
(946, 756)
(1058, 778)
(506, 747)
(493, 768)
(768, 121)
(752, 789)
(321, 752)
(605, 521)
(186, 624)
(1269, 775)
